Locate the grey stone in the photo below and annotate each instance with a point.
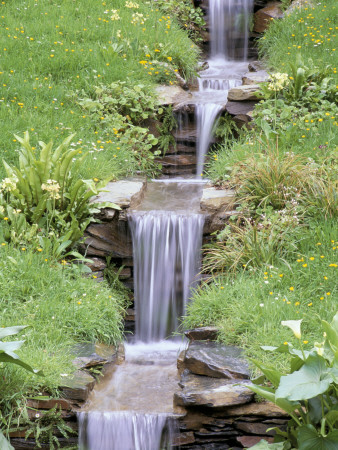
(96, 264)
(255, 66)
(124, 193)
(267, 409)
(260, 76)
(111, 239)
(77, 386)
(216, 360)
(236, 108)
(255, 428)
(243, 93)
(211, 392)
(202, 334)
(214, 199)
(250, 441)
(171, 95)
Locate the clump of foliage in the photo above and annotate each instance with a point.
(40, 199)
(308, 393)
(123, 111)
(188, 16)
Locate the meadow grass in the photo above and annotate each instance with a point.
(54, 52)
(248, 306)
(61, 308)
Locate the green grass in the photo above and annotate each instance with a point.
(51, 50)
(249, 307)
(61, 307)
(284, 171)
(309, 31)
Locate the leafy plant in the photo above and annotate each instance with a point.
(41, 194)
(188, 16)
(168, 123)
(308, 393)
(7, 349)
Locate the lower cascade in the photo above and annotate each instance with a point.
(132, 409)
(166, 257)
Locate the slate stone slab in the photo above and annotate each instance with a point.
(216, 360)
(242, 93)
(201, 391)
(124, 193)
(78, 386)
(202, 334)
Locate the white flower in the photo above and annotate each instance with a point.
(294, 325)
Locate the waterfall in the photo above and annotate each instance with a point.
(132, 408)
(122, 431)
(206, 114)
(229, 28)
(166, 248)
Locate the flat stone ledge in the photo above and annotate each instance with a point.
(124, 193)
(213, 199)
(201, 391)
(171, 95)
(202, 334)
(243, 93)
(213, 359)
(261, 76)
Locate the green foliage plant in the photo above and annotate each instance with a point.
(7, 349)
(308, 393)
(42, 195)
(123, 110)
(188, 16)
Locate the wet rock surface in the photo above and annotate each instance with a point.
(244, 93)
(216, 360)
(202, 334)
(260, 76)
(210, 392)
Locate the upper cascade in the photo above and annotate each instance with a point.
(229, 28)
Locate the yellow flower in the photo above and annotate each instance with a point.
(328, 293)
(5, 218)
(304, 265)
(285, 343)
(297, 303)
(305, 342)
(311, 258)
(79, 303)
(309, 304)
(292, 288)
(23, 249)
(39, 249)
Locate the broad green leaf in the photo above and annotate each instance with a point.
(13, 358)
(10, 346)
(331, 336)
(264, 445)
(10, 331)
(4, 444)
(309, 439)
(311, 380)
(271, 374)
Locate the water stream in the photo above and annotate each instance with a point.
(132, 407)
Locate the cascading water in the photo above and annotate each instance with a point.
(131, 409)
(166, 255)
(229, 28)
